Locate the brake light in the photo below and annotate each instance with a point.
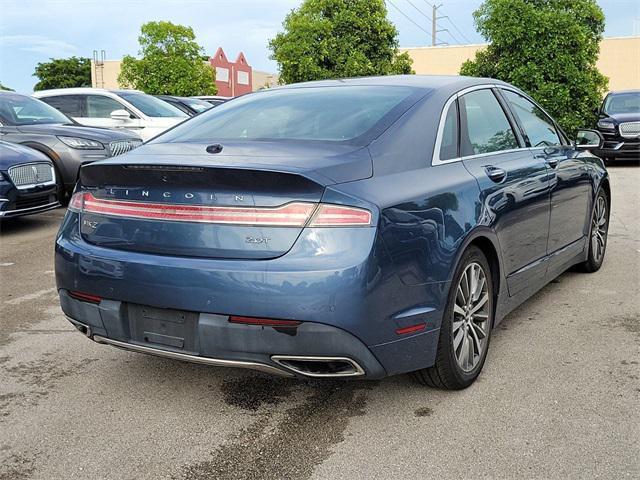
(295, 214)
(340, 216)
(265, 322)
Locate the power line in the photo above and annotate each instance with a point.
(458, 30)
(407, 16)
(419, 11)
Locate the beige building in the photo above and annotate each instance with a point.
(105, 75)
(619, 60)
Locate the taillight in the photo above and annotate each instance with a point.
(295, 214)
(340, 216)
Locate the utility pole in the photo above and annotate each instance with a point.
(434, 25)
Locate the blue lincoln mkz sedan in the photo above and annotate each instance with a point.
(362, 227)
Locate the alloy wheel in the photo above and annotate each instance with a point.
(471, 317)
(599, 229)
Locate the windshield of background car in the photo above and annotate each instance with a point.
(152, 106)
(334, 114)
(622, 103)
(23, 110)
(197, 105)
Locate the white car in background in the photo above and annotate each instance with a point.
(133, 110)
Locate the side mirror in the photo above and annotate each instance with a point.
(121, 115)
(588, 139)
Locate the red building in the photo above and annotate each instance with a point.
(232, 78)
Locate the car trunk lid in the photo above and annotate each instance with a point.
(237, 205)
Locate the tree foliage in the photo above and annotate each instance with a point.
(338, 38)
(5, 88)
(548, 48)
(63, 73)
(171, 63)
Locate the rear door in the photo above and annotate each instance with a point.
(570, 181)
(514, 185)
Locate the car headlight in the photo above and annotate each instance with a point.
(81, 143)
(606, 125)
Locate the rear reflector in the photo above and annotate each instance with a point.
(295, 214)
(265, 322)
(85, 297)
(412, 329)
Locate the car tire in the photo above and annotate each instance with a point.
(461, 352)
(598, 233)
(61, 190)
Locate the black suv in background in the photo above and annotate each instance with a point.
(619, 123)
(33, 123)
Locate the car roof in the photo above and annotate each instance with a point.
(82, 90)
(624, 91)
(426, 82)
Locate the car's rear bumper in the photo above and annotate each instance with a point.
(216, 341)
(347, 294)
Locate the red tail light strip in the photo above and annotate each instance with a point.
(290, 215)
(337, 215)
(295, 214)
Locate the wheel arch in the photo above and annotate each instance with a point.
(487, 241)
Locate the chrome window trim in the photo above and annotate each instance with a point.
(435, 160)
(561, 135)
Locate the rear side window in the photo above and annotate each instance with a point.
(449, 145)
(99, 106)
(70, 105)
(487, 127)
(538, 127)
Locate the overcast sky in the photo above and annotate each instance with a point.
(31, 31)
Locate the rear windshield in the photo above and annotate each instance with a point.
(622, 103)
(152, 106)
(333, 114)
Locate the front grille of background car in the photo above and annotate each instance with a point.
(122, 146)
(630, 129)
(31, 174)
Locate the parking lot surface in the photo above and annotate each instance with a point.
(559, 396)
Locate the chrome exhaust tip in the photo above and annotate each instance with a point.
(81, 327)
(320, 367)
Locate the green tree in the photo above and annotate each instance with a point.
(338, 38)
(6, 89)
(63, 73)
(171, 63)
(548, 48)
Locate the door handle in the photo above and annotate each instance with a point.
(552, 162)
(494, 173)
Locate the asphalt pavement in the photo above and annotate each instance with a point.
(559, 396)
